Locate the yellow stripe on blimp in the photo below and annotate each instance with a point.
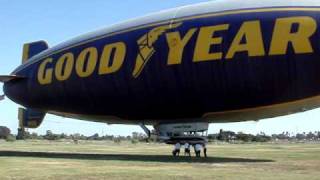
(215, 14)
(25, 53)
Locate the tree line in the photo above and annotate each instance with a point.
(230, 136)
(135, 137)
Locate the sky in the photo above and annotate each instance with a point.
(59, 20)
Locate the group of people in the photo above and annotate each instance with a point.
(197, 149)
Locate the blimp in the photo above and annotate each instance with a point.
(178, 70)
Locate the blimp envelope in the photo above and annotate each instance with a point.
(221, 61)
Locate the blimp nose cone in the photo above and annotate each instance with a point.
(16, 90)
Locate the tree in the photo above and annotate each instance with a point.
(4, 132)
(261, 138)
(244, 137)
(311, 136)
(34, 135)
(63, 136)
(226, 135)
(300, 136)
(50, 136)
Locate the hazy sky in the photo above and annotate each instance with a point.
(59, 20)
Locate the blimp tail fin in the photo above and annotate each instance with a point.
(30, 118)
(32, 49)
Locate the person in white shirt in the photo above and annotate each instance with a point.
(187, 149)
(176, 150)
(198, 148)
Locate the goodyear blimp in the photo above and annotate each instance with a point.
(179, 70)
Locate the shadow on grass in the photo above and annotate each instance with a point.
(129, 157)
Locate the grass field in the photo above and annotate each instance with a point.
(107, 160)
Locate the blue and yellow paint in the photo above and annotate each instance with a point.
(184, 68)
(249, 31)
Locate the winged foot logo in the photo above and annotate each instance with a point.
(146, 49)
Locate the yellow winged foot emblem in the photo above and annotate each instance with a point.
(146, 49)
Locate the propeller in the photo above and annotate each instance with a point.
(7, 78)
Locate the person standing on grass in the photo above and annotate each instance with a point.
(198, 148)
(205, 150)
(187, 149)
(176, 150)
